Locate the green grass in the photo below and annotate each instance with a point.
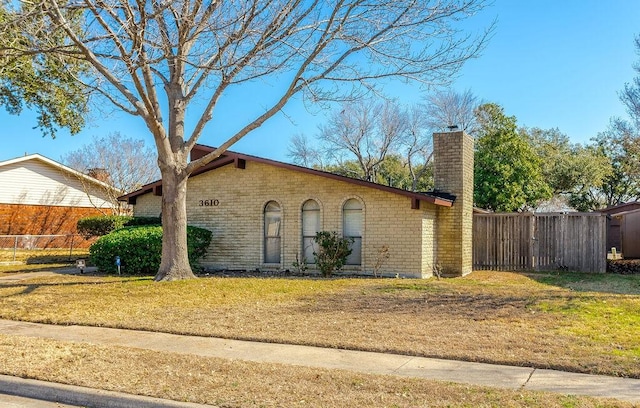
(584, 282)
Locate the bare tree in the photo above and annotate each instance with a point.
(125, 163)
(151, 59)
(303, 153)
(447, 108)
(417, 145)
(360, 138)
(365, 132)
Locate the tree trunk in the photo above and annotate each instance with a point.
(175, 260)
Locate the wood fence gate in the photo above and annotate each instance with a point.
(527, 241)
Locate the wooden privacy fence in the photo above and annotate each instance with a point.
(527, 241)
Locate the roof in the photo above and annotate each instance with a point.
(615, 209)
(624, 213)
(239, 160)
(58, 166)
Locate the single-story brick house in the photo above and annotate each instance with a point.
(264, 213)
(39, 196)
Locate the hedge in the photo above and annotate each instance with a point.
(140, 248)
(105, 224)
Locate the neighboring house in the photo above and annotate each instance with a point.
(39, 196)
(264, 214)
(614, 230)
(629, 233)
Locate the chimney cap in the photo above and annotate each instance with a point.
(452, 128)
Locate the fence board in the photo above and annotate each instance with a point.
(527, 241)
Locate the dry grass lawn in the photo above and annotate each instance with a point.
(42, 256)
(232, 383)
(576, 322)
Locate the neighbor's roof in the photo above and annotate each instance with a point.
(58, 166)
(624, 213)
(615, 209)
(239, 160)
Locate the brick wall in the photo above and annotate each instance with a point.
(237, 219)
(18, 219)
(453, 173)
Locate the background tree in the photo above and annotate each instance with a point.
(128, 163)
(620, 144)
(153, 59)
(417, 146)
(630, 95)
(446, 107)
(365, 132)
(301, 151)
(383, 143)
(507, 170)
(573, 172)
(45, 83)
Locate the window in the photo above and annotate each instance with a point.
(272, 220)
(310, 226)
(352, 228)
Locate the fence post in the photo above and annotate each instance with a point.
(71, 246)
(533, 265)
(15, 247)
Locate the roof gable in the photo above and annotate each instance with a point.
(57, 166)
(37, 180)
(239, 160)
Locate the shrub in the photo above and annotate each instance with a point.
(105, 224)
(140, 249)
(134, 221)
(333, 251)
(101, 225)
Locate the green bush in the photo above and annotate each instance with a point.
(134, 221)
(101, 225)
(140, 249)
(332, 253)
(105, 224)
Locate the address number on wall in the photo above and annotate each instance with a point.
(209, 203)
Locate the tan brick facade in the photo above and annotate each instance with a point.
(453, 173)
(241, 196)
(420, 231)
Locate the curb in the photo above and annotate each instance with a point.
(83, 396)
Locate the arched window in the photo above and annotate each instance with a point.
(272, 221)
(310, 226)
(352, 228)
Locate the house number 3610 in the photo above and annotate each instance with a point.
(209, 203)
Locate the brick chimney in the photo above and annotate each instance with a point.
(453, 174)
(100, 174)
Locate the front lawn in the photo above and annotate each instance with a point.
(576, 322)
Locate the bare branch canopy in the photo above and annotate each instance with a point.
(154, 58)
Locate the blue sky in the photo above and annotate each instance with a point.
(550, 63)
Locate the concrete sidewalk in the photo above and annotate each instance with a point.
(365, 362)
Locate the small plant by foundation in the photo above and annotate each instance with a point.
(300, 265)
(382, 257)
(333, 251)
(437, 271)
